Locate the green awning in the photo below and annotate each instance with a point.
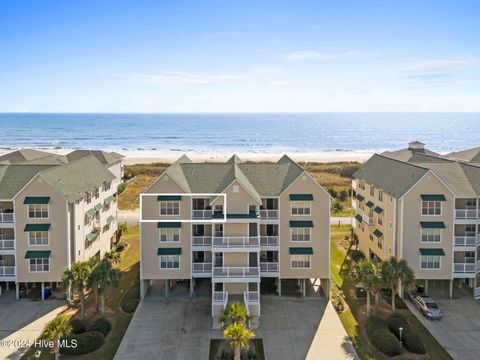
(432, 224)
(91, 236)
(110, 219)
(37, 200)
(301, 197)
(37, 254)
(360, 197)
(370, 204)
(169, 224)
(98, 207)
(37, 227)
(90, 212)
(359, 218)
(378, 210)
(169, 251)
(169, 198)
(108, 200)
(433, 197)
(378, 233)
(300, 224)
(300, 251)
(438, 252)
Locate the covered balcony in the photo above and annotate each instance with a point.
(269, 263)
(6, 212)
(202, 210)
(236, 243)
(201, 237)
(236, 274)
(464, 264)
(269, 209)
(202, 264)
(466, 236)
(467, 209)
(7, 267)
(269, 236)
(7, 239)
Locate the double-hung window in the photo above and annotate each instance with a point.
(431, 235)
(39, 265)
(430, 262)
(431, 208)
(300, 234)
(38, 238)
(38, 211)
(380, 195)
(169, 208)
(361, 184)
(170, 262)
(301, 208)
(300, 261)
(372, 191)
(169, 235)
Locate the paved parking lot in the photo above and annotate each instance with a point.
(459, 330)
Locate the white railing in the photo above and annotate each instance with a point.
(268, 240)
(251, 297)
(269, 266)
(236, 272)
(367, 219)
(6, 217)
(7, 270)
(354, 184)
(465, 241)
(202, 214)
(354, 204)
(219, 298)
(269, 214)
(476, 292)
(464, 267)
(235, 242)
(202, 241)
(478, 265)
(202, 268)
(467, 214)
(7, 244)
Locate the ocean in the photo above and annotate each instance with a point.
(270, 132)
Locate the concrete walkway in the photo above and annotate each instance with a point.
(22, 322)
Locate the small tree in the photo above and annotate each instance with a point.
(364, 272)
(396, 273)
(113, 256)
(235, 313)
(337, 207)
(377, 284)
(122, 228)
(77, 279)
(55, 330)
(238, 337)
(104, 276)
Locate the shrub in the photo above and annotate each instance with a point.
(395, 321)
(333, 192)
(373, 324)
(343, 195)
(121, 188)
(226, 355)
(338, 305)
(121, 245)
(102, 325)
(356, 255)
(410, 339)
(86, 343)
(78, 326)
(386, 342)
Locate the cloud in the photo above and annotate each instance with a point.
(320, 56)
(179, 77)
(428, 79)
(441, 65)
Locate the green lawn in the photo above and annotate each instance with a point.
(351, 317)
(129, 265)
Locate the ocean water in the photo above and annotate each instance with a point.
(322, 132)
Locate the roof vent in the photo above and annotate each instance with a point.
(416, 145)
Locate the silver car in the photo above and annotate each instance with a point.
(428, 307)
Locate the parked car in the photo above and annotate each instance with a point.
(428, 307)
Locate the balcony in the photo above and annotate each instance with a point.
(467, 214)
(202, 242)
(269, 214)
(7, 271)
(354, 204)
(464, 268)
(236, 274)
(236, 243)
(6, 217)
(202, 269)
(251, 297)
(268, 241)
(202, 214)
(466, 240)
(7, 244)
(269, 269)
(368, 220)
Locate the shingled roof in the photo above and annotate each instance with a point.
(14, 177)
(469, 155)
(103, 156)
(25, 155)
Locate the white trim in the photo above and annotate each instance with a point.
(169, 201)
(421, 208)
(311, 178)
(436, 269)
(169, 241)
(48, 238)
(169, 176)
(34, 272)
(300, 268)
(239, 183)
(301, 201)
(166, 269)
(427, 173)
(302, 241)
(38, 218)
(431, 242)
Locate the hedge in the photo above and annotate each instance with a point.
(78, 326)
(102, 325)
(356, 255)
(386, 342)
(86, 343)
(410, 339)
(374, 323)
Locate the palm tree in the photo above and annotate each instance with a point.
(104, 276)
(235, 313)
(55, 330)
(363, 272)
(377, 284)
(238, 337)
(122, 228)
(113, 256)
(396, 273)
(77, 279)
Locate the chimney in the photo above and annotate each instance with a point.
(416, 145)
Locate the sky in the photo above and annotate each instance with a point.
(239, 56)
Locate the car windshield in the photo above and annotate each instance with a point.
(431, 305)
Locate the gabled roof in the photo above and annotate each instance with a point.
(14, 177)
(103, 156)
(395, 177)
(469, 155)
(407, 154)
(23, 155)
(234, 159)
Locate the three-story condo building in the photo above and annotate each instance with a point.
(54, 211)
(415, 205)
(237, 224)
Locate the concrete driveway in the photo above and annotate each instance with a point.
(459, 330)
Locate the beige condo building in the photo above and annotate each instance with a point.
(54, 211)
(235, 226)
(419, 206)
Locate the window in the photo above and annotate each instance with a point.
(38, 211)
(88, 197)
(431, 208)
(107, 186)
(430, 262)
(470, 230)
(169, 234)
(252, 209)
(106, 207)
(380, 219)
(431, 235)
(39, 265)
(170, 262)
(470, 203)
(300, 208)
(371, 237)
(169, 208)
(361, 184)
(380, 242)
(361, 205)
(372, 191)
(300, 261)
(97, 193)
(236, 188)
(380, 195)
(38, 238)
(300, 234)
